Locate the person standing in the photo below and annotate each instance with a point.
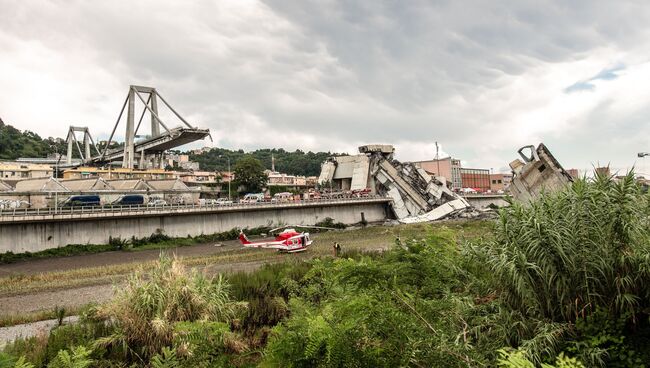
(337, 249)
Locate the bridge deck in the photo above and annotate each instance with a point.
(92, 213)
(168, 140)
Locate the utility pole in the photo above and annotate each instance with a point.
(437, 160)
(56, 176)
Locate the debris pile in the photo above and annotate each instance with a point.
(417, 196)
(538, 172)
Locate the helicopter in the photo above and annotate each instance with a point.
(287, 241)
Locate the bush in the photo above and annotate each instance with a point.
(266, 291)
(145, 311)
(199, 343)
(7, 361)
(518, 359)
(407, 307)
(567, 255)
(32, 349)
(68, 250)
(77, 357)
(329, 222)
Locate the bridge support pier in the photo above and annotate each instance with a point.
(129, 137)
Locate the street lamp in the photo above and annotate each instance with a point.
(229, 174)
(643, 154)
(56, 176)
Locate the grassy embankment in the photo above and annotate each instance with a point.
(357, 240)
(155, 241)
(560, 282)
(370, 238)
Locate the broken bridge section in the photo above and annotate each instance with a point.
(148, 151)
(536, 172)
(416, 195)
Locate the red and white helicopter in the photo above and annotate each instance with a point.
(287, 241)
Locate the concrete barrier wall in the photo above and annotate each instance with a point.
(35, 236)
(483, 201)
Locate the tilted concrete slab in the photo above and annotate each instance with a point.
(415, 194)
(538, 172)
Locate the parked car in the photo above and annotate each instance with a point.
(282, 197)
(253, 198)
(312, 194)
(223, 202)
(130, 200)
(82, 200)
(361, 192)
(157, 202)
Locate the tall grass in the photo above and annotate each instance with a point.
(564, 256)
(146, 309)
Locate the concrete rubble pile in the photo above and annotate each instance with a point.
(416, 195)
(537, 172)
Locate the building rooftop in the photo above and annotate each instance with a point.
(23, 166)
(77, 185)
(5, 187)
(128, 184)
(168, 184)
(40, 185)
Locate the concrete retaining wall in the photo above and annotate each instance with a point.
(35, 236)
(482, 201)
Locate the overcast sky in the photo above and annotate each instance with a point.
(483, 78)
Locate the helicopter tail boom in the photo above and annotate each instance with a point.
(243, 239)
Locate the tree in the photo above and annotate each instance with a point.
(249, 173)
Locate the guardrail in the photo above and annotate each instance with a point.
(23, 214)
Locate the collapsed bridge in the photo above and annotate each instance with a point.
(416, 195)
(143, 153)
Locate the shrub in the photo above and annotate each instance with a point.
(518, 359)
(329, 222)
(7, 361)
(165, 359)
(73, 335)
(566, 255)
(200, 342)
(32, 349)
(406, 307)
(266, 291)
(145, 311)
(77, 357)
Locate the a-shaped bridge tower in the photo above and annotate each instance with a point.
(147, 152)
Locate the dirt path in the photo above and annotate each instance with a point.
(49, 299)
(77, 297)
(8, 334)
(30, 267)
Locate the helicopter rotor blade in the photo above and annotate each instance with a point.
(302, 227)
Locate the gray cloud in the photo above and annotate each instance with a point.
(328, 75)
